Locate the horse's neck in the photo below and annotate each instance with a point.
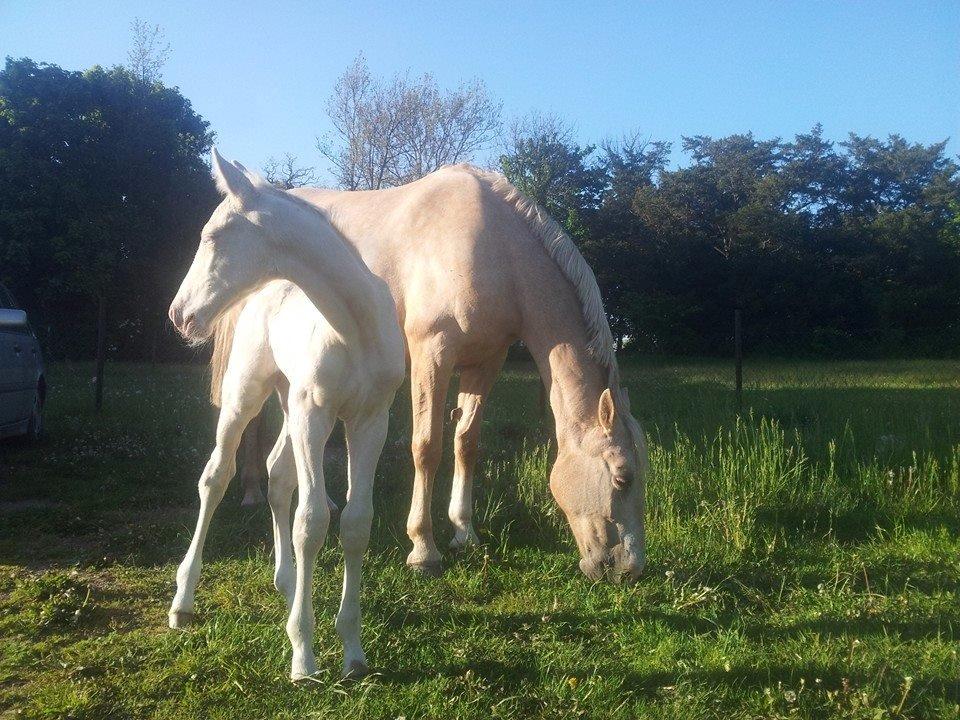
(332, 275)
(574, 380)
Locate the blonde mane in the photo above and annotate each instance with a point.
(565, 254)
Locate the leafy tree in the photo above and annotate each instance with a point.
(103, 190)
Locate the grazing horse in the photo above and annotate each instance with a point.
(317, 326)
(473, 265)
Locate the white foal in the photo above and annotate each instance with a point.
(332, 346)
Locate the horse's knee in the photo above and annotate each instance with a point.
(466, 447)
(426, 451)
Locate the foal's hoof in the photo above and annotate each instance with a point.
(356, 670)
(428, 569)
(303, 679)
(181, 619)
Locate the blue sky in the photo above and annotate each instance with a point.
(261, 72)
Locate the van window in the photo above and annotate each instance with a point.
(6, 299)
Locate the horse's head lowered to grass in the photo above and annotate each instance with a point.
(598, 480)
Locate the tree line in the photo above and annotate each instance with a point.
(849, 248)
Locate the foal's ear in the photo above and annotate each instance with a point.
(231, 180)
(606, 413)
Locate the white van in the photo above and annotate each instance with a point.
(22, 384)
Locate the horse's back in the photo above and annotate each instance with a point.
(448, 248)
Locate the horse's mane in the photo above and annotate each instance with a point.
(567, 257)
(565, 254)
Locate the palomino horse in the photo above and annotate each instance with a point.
(331, 346)
(472, 266)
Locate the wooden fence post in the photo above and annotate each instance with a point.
(738, 355)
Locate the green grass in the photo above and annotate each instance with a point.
(804, 561)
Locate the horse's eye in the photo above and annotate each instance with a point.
(622, 478)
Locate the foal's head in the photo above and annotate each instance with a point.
(234, 256)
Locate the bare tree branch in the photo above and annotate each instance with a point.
(149, 53)
(389, 133)
(286, 174)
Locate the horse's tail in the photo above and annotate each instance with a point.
(222, 344)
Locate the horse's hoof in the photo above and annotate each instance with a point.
(458, 544)
(356, 670)
(427, 569)
(298, 678)
(181, 619)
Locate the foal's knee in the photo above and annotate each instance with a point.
(311, 522)
(355, 525)
(216, 475)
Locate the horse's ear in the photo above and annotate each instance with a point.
(230, 179)
(606, 413)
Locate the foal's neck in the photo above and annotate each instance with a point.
(331, 273)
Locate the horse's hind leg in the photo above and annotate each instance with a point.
(244, 392)
(251, 460)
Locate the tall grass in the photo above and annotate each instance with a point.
(803, 561)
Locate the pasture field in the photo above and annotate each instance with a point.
(803, 561)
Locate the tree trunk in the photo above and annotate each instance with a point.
(101, 348)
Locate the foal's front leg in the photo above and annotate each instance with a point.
(240, 404)
(310, 426)
(365, 440)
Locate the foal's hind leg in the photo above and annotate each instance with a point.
(282, 474)
(244, 392)
(475, 384)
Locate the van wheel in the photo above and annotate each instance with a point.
(35, 426)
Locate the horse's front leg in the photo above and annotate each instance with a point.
(475, 385)
(365, 440)
(310, 426)
(429, 378)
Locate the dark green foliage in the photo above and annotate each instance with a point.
(845, 250)
(840, 249)
(103, 189)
